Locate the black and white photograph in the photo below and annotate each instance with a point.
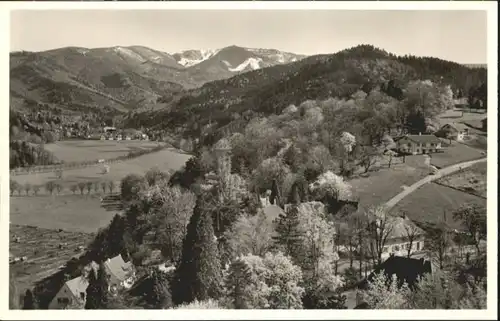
(226, 158)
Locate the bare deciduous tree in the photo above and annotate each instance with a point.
(380, 227)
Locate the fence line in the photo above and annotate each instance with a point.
(79, 165)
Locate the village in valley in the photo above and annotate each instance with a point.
(354, 180)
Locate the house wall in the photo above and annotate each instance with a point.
(408, 146)
(399, 247)
(63, 299)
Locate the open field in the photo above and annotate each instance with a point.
(382, 185)
(430, 202)
(89, 150)
(454, 154)
(68, 212)
(42, 249)
(165, 160)
(471, 180)
(457, 116)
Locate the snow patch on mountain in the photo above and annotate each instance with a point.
(227, 63)
(128, 53)
(204, 54)
(254, 63)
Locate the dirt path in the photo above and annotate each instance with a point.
(442, 172)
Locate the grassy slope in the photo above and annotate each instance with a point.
(428, 203)
(83, 150)
(165, 160)
(68, 212)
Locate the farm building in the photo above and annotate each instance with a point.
(398, 242)
(418, 144)
(457, 131)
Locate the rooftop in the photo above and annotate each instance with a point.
(458, 126)
(118, 267)
(406, 269)
(400, 226)
(78, 285)
(422, 138)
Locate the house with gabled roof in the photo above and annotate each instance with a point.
(121, 273)
(402, 231)
(418, 144)
(73, 293)
(458, 131)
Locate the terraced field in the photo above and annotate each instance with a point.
(46, 251)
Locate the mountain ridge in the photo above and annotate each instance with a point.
(124, 77)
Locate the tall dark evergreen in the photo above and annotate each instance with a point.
(29, 301)
(237, 281)
(199, 275)
(114, 238)
(289, 236)
(98, 290)
(159, 296)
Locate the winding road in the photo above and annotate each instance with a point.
(440, 173)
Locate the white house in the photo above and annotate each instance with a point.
(419, 144)
(398, 240)
(72, 293)
(457, 131)
(121, 273)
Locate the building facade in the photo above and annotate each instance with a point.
(419, 144)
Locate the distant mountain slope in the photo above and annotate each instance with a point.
(234, 59)
(228, 103)
(125, 78)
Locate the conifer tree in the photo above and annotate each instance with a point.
(199, 276)
(159, 297)
(237, 283)
(98, 290)
(29, 301)
(289, 235)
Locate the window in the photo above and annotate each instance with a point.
(432, 144)
(385, 250)
(396, 248)
(408, 246)
(63, 300)
(418, 246)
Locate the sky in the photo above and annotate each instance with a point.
(459, 36)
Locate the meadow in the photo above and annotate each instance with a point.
(68, 212)
(471, 180)
(381, 185)
(167, 159)
(455, 153)
(90, 150)
(459, 116)
(432, 202)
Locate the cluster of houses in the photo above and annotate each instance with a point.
(73, 293)
(431, 143)
(111, 133)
